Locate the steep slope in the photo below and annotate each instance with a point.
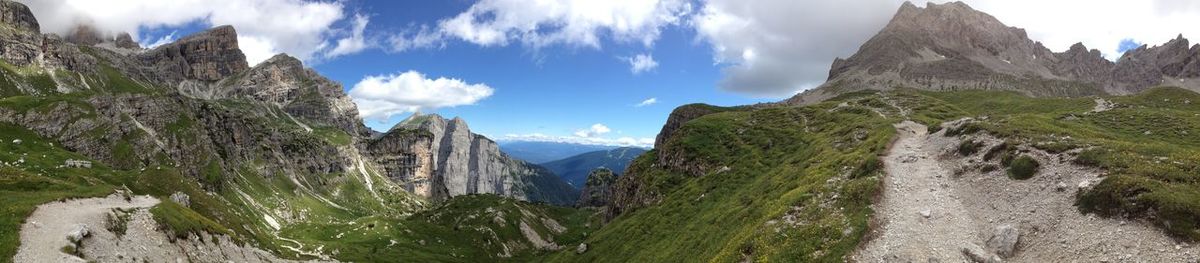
(271, 157)
(575, 169)
(439, 158)
(542, 152)
(953, 47)
(771, 184)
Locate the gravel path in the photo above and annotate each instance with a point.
(44, 232)
(936, 204)
(921, 217)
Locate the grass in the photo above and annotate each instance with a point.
(183, 222)
(807, 163)
(1023, 168)
(1147, 145)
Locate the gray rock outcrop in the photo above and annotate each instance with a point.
(211, 55)
(439, 158)
(598, 189)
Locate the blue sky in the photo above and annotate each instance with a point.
(561, 70)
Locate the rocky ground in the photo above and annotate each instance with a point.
(939, 207)
(83, 224)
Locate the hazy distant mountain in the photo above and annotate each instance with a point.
(540, 152)
(575, 169)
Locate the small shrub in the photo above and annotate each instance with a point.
(868, 167)
(1089, 157)
(71, 250)
(934, 128)
(968, 147)
(117, 222)
(1023, 167)
(965, 129)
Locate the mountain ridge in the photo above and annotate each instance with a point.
(953, 46)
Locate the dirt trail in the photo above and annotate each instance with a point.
(922, 218)
(44, 232)
(937, 203)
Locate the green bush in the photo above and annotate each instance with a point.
(968, 147)
(1023, 167)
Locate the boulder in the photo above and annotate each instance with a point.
(581, 248)
(181, 198)
(978, 255)
(78, 233)
(1004, 241)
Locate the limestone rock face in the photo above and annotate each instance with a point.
(84, 35)
(124, 40)
(597, 191)
(283, 80)
(439, 158)
(207, 56)
(18, 16)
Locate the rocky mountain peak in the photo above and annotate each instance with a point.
(210, 55)
(18, 16)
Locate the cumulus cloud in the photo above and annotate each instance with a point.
(1099, 24)
(641, 63)
(776, 48)
(542, 23)
(596, 130)
(621, 142)
(380, 97)
(300, 28)
(355, 42)
(647, 102)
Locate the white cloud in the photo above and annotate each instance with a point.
(353, 43)
(622, 141)
(380, 97)
(167, 39)
(647, 102)
(300, 28)
(542, 23)
(776, 48)
(596, 130)
(1099, 24)
(641, 63)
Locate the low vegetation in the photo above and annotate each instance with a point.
(1023, 167)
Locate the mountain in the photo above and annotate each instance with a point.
(597, 191)
(541, 152)
(438, 158)
(953, 47)
(188, 144)
(575, 169)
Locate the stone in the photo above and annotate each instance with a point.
(978, 255)
(78, 233)
(583, 247)
(926, 213)
(1004, 241)
(17, 141)
(77, 163)
(182, 199)
(1084, 184)
(1060, 187)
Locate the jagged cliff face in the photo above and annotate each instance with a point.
(439, 159)
(952, 46)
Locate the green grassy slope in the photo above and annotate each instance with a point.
(1149, 144)
(792, 190)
